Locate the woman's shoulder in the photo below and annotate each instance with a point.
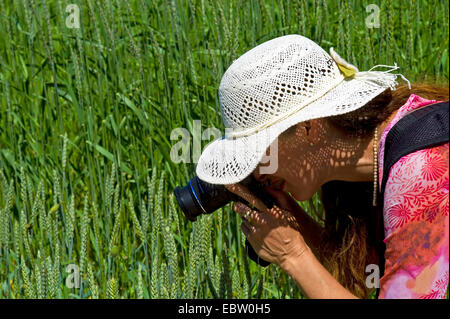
(417, 189)
(414, 102)
(418, 181)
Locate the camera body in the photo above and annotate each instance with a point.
(199, 197)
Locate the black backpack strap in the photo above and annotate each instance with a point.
(423, 128)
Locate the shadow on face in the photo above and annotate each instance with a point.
(310, 154)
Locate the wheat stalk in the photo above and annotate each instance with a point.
(113, 289)
(25, 239)
(39, 282)
(56, 265)
(16, 239)
(235, 284)
(51, 279)
(3, 184)
(98, 238)
(134, 218)
(5, 216)
(226, 274)
(140, 287)
(154, 283)
(29, 290)
(84, 234)
(23, 190)
(145, 219)
(117, 210)
(110, 184)
(164, 282)
(70, 221)
(37, 204)
(92, 284)
(94, 22)
(64, 152)
(193, 263)
(151, 183)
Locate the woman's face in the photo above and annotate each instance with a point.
(298, 163)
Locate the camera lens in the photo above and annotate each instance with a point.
(199, 197)
(187, 202)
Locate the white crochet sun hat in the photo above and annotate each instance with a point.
(277, 84)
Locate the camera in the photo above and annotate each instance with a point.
(199, 197)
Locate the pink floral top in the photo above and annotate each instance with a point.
(416, 219)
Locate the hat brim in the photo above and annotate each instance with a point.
(229, 161)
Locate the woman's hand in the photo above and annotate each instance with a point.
(273, 233)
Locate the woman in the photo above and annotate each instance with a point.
(323, 119)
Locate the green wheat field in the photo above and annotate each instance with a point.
(86, 177)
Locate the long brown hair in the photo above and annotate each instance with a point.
(352, 224)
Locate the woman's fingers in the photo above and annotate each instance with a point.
(247, 228)
(243, 192)
(247, 213)
(241, 208)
